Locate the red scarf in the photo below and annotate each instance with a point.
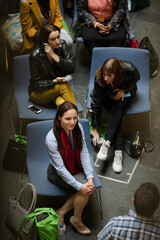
(71, 159)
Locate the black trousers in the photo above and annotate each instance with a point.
(115, 111)
(92, 38)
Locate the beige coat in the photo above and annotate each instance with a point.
(31, 21)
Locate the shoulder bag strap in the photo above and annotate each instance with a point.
(34, 198)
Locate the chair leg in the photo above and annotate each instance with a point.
(98, 196)
(6, 55)
(85, 109)
(75, 57)
(10, 115)
(149, 119)
(89, 115)
(12, 125)
(80, 115)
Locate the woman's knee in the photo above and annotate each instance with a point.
(65, 86)
(66, 93)
(59, 100)
(82, 196)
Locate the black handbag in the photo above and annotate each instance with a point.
(153, 57)
(136, 145)
(15, 156)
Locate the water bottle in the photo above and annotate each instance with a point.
(61, 233)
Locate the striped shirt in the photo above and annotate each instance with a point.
(130, 227)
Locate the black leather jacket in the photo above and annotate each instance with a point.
(43, 72)
(101, 93)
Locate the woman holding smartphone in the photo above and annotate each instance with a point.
(113, 80)
(49, 65)
(70, 166)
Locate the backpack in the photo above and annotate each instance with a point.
(153, 57)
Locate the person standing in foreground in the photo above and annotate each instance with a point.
(70, 166)
(139, 224)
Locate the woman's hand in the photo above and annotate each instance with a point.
(101, 27)
(87, 188)
(49, 51)
(90, 182)
(59, 80)
(120, 94)
(95, 134)
(106, 30)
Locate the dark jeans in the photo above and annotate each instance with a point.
(115, 111)
(92, 38)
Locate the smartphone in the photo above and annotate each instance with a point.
(128, 94)
(68, 78)
(34, 109)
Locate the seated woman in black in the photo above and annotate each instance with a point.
(48, 66)
(114, 88)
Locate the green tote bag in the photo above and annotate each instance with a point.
(46, 221)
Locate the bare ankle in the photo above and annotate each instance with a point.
(76, 219)
(59, 213)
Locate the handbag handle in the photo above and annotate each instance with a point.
(39, 211)
(34, 197)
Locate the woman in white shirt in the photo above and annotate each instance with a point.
(70, 165)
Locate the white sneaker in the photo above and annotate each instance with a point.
(117, 162)
(103, 152)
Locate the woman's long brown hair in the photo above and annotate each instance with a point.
(110, 66)
(64, 107)
(46, 29)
